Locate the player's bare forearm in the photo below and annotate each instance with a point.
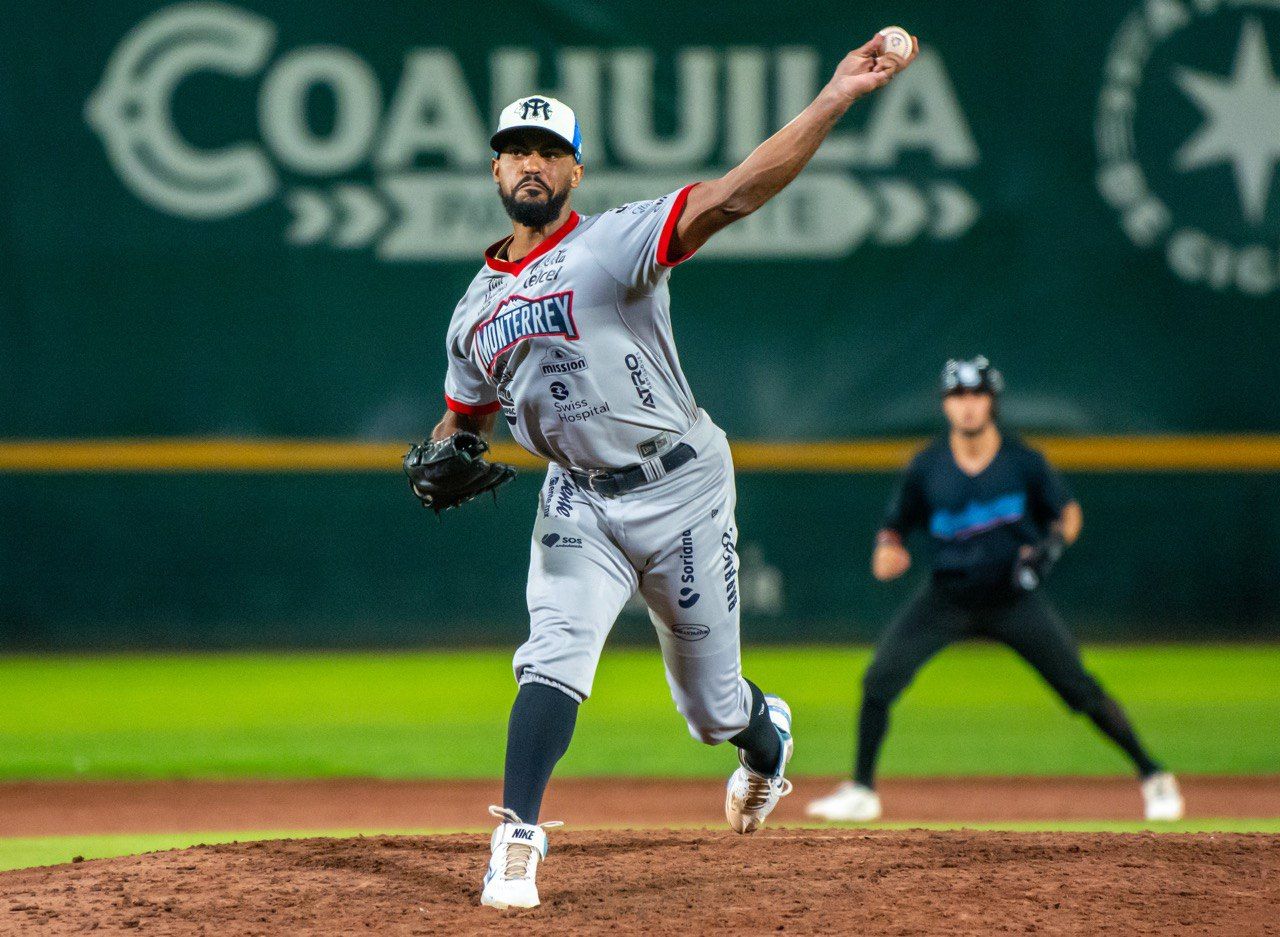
(714, 205)
(890, 559)
(762, 175)
(452, 421)
(1070, 523)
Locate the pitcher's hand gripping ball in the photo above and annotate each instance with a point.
(445, 473)
(900, 42)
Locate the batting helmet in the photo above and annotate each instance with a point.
(972, 374)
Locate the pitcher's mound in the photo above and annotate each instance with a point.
(676, 882)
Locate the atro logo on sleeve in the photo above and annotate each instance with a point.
(519, 318)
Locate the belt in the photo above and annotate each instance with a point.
(611, 484)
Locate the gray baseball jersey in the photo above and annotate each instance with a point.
(573, 342)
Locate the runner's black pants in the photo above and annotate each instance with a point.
(1024, 621)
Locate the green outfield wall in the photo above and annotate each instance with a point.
(249, 222)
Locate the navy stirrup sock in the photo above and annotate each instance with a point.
(538, 734)
(760, 742)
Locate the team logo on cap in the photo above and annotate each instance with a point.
(535, 107)
(976, 374)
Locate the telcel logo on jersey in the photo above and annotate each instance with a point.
(519, 318)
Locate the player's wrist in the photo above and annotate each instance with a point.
(1054, 545)
(888, 538)
(836, 98)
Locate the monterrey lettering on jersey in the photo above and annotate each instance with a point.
(519, 318)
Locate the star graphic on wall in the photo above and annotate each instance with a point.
(1242, 120)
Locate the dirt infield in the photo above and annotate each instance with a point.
(676, 882)
(52, 808)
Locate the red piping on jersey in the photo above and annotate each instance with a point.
(669, 229)
(517, 266)
(471, 409)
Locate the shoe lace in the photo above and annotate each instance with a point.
(517, 864)
(760, 789)
(519, 855)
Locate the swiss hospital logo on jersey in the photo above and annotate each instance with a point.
(519, 318)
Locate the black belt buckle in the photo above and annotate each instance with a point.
(592, 479)
(613, 484)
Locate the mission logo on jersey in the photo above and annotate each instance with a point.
(519, 318)
(558, 360)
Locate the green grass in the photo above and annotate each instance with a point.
(25, 852)
(975, 710)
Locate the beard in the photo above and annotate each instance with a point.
(533, 213)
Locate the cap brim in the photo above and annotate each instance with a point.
(499, 139)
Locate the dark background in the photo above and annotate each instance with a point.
(120, 319)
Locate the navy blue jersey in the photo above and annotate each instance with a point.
(977, 523)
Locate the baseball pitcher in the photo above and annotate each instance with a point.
(566, 331)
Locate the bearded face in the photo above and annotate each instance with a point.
(535, 173)
(532, 202)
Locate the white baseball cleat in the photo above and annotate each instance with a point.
(750, 797)
(517, 848)
(850, 802)
(1161, 797)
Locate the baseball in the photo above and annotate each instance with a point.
(898, 41)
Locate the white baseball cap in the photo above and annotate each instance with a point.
(542, 113)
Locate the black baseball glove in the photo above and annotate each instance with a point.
(1035, 561)
(448, 472)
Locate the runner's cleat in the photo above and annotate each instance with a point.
(850, 802)
(1161, 798)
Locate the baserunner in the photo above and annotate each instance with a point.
(997, 517)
